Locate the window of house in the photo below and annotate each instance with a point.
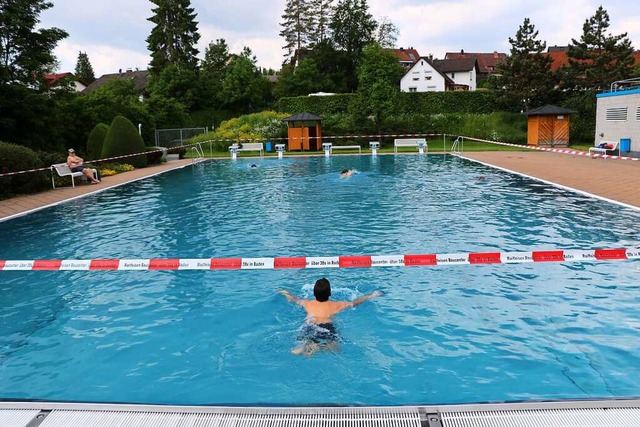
(416, 78)
(413, 89)
(453, 75)
(431, 87)
(427, 77)
(616, 114)
(638, 113)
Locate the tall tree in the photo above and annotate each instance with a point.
(353, 28)
(244, 88)
(212, 71)
(525, 79)
(321, 13)
(598, 58)
(379, 85)
(84, 70)
(174, 37)
(26, 53)
(387, 34)
(297, 24)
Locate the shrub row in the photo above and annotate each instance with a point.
(477, 102)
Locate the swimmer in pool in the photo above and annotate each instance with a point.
(319, 331)
(253, 165)
(346, 173)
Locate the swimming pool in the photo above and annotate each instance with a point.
(439, 335)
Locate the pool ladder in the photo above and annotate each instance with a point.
(199, 153)
(457, 146)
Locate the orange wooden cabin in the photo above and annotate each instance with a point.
(548, 126)
(305, 132)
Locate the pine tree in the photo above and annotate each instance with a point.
(26, 52)
(598, 59)
(525, 79)
(175, 36)
(297, 24)
(84, 70)
(321, 13)
(353, 28)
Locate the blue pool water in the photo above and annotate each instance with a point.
(447, 334)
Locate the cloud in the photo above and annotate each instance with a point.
(114, 33)
(104, 59)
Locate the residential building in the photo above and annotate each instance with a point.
(53, 80)
(139, 79)
(487, 62)
(406, 57)
(463, 72)
(423, 76)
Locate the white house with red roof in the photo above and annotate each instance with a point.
(54, 80)
(406, 57)
(487, 62)
(463, 72)
(423, 76)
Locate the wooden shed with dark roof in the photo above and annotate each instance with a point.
(304, 131)
(548, 126)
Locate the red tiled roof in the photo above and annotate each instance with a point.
(405, 55)
(487, 62)
(560, 59)
(53, 79)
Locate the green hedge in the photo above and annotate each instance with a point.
(476, 102)
(123, 139)
(14, 158)
(96, 140)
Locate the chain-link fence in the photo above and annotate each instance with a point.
(170, 138)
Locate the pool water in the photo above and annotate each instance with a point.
(447, 334)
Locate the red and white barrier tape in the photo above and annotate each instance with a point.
(362, 261)
(399, 135)
(555, 150)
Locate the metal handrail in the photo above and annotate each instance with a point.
(458, 145)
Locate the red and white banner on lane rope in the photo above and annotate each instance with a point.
(362, 261)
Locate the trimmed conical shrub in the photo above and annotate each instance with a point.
(96, 140)
(123, 139)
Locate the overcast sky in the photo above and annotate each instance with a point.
(113, 32)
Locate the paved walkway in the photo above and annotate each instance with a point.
(23, 204)
(617, 180)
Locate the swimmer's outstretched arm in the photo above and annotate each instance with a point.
(362, 299)
(288, 296)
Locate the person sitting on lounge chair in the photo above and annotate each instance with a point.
(76, 164)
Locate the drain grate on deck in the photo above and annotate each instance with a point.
(17, 417)
(229, 417)
(596, 417)
(615, 413)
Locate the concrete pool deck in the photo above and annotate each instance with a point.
(616, 180)
(20, 205)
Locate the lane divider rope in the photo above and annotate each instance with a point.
(358, 261)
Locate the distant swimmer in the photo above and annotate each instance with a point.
(481, 180)
(346, 173)
(319, 331)
(253, 165)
